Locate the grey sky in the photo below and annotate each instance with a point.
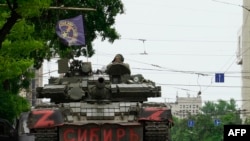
(186, 41)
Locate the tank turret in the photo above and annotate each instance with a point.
(87, 105)
(80, 83)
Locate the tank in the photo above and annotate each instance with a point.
(84, 105)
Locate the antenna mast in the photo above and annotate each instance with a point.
(143, 40)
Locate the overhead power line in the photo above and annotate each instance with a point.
(232, 4)
(168, 40)
(190, 85)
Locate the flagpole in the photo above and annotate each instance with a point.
(63, 8)
(73, 8)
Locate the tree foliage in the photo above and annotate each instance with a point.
(98, 23)
(12, 105)
(17, 43)
(26, 26)
(204, 128)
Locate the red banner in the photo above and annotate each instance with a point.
(104, 132)
(155, 114)
(45, 118)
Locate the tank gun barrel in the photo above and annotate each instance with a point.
(82, 100)
(100, 83)
(99, 90)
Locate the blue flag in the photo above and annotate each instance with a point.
(71, 31)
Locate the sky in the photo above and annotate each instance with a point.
(179, 44)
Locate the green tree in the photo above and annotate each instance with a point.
(17, 43)
(97, 23)
(204, 128)
(25, 28)
(12, 106)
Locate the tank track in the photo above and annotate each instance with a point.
(46, 134)
(156, 131)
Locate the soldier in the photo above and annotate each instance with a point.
(118, 59)
(118, 70)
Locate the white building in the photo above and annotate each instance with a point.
(243, 56)
(185, 106)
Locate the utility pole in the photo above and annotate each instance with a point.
(143, 40)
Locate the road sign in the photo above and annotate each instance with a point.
(219, 77)
(190, 123)
(216, 122)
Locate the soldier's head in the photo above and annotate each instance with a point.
(118, 59)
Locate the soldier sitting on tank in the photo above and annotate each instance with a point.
(118, 70)
(118, 59)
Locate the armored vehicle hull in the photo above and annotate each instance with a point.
(100, 106)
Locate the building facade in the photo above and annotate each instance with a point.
(185, 106)
(243, 57)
